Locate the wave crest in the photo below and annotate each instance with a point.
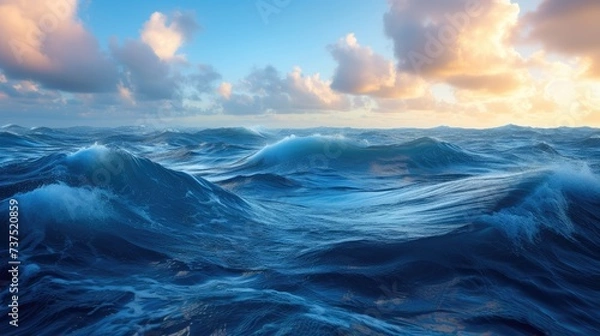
(337, 152)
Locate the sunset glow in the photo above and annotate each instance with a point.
(400, 63)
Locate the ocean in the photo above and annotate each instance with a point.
(324, 231)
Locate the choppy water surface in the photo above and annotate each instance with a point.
(240, 231)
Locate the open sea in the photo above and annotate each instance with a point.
(325, 231)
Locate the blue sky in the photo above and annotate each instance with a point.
(235, 36)
(291, 63)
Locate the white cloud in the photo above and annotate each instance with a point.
(164, 37)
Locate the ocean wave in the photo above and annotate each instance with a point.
(591, 142)
(546, 201)
(297, 154)
(277, 183)
(13, 139)
(538, 148)
(330, 232)
(128, 177)
(500, 259)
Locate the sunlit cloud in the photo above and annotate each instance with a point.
(126, 94)
(361, 71)
(464, 43)
(166, 35)
(225, 89)
(46, 42)
(265, 90)
(494, 64)
(149, 73)
(568, 27)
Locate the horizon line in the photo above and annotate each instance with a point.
(298, 128)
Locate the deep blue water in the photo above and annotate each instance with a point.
(239, 231)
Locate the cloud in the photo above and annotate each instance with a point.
(427, 102)
(146, 75)
(44, 41)
(48, 49)
(557, 96)
(243, 104)
(166, 35)
(465, 43)
(25, 95)
(224, 90)
(311, 92)
(568, 27)
(360, 71)
(490, 84)
(454, 61)
(204, 79)
(149, 72)
(266, 90)
(126, 94)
